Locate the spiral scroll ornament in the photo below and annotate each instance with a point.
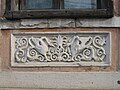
(62, 48)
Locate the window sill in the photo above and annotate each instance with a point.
(75, 13)
(113, 22)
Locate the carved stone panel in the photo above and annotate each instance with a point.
(60, 49)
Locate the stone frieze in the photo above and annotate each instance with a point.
(60, 49)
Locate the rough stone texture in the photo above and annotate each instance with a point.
(111, 22)
(68, 23)
(7, 24)
(53, 23)
(34, 23)
(59, 23)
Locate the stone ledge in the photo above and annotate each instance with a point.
(59, 23)
(60, 80)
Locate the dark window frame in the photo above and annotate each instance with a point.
(14, 11)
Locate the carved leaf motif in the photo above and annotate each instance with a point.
(60, 48)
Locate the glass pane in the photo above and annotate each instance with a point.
(89, 4)
(38, 4)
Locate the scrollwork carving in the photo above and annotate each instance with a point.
(60, 48)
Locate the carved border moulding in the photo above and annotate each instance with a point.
(60, 49)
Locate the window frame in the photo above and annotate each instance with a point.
(14, 11)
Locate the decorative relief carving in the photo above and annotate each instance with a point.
(63, 49)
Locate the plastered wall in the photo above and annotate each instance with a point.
(91, 77)
(6, 51)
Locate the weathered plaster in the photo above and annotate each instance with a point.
(60, 80)
(37, 23)
(59, 23)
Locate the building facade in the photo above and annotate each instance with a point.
(59, 48)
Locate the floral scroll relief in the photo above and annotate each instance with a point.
(60, 49)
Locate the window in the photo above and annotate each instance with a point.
(17, 9)
(54, 4)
